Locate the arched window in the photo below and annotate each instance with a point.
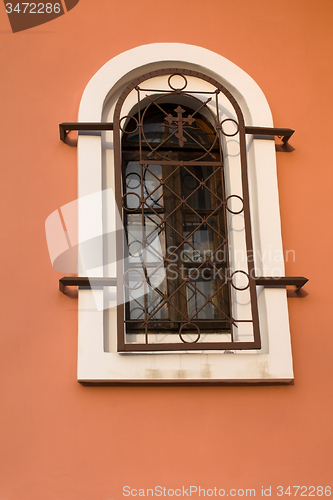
(175, 269)
(121, 93)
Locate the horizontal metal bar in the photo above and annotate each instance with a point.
(297, 281)
(182, 163)
(268, 281)
(191, 346)
(85, 282)
(65, 127)
(284, 133)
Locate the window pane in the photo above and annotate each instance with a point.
(174, 215)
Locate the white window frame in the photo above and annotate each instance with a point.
(273, 362)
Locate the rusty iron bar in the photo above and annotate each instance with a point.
(187, 346)
(270, 282)
(66, 127)
(282, 281)
(162, 160)
(283, 133)
(85, 282)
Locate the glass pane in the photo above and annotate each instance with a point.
(152, 190)
(160, 125)
(174, 215)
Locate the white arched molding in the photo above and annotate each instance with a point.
(97, 357)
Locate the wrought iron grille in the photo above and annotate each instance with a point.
(174, 275)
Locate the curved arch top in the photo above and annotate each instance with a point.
(135, 62)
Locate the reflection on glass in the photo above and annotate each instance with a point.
(159, 127)
(150, 189)
(175, 225)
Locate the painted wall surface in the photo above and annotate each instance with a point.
(60, 440)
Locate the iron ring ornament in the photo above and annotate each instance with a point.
(179, 88)
(233, 121)
(240, 289)
(187, 325)
(232, 211)
(129, 117)
(131, 193)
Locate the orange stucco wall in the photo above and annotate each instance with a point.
(64, 441)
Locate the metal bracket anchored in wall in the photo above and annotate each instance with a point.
(84, 282)
(269, 282)
(66, 127)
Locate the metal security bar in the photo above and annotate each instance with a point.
(66, 127)
(164, 309)
(170, 188)
(84, 282)
(283, 133)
